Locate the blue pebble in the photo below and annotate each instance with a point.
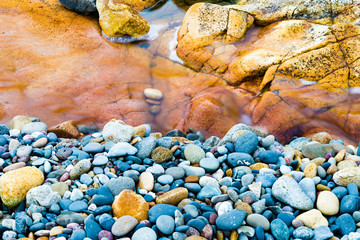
(101, 200)
(78, 234)
(165, 224)
(193, 187)
(182, 228)
(287, 218)
(279, 230)
(91, 192)
(4, 129)
(267, 180)
(92, 227)
(349, 204)
(162, 209)
(102, 210)
(268, 236)
(304, 233)
(340, 192)
(106, 221)
(65, 203)
(187, 217)
(247, 143)
(353, 189)
(3, 140)
(208, 191)
(52, 137)
(269, 156)
(323, 233)
(140, 225)
(346, 224)
(231, 220)
(36, 227)
(269, 200)
(240, 159)
(197, 224)
(259, 233)
(78, 206)
(268, 214)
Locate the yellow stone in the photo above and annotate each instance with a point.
(132, 204)
(140, 130)
(15, 184)
(346, 164)
(55, 231)
(340, 155)
(234, 235)
(243, 206)
(327, 203)
(310, 170)
(313, 219)
(195, 238)
(321, 187)
(173, 197)
(322, 137)
(18, 122)
(146, 181)
(318, 161)
(258, 166)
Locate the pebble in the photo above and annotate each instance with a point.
(121, 149)
(279, 230)
(32, 127)
(231, 220)
(347, 175)
(246, 143)
(144, 233)
(287, 190)
(258, 220)
(303, 233)
(117, 131)
(194, 153)
(328, 203)
(209, 164)
(313, 219)
(153, 93)
(132, 204)
(165, 224)
(123, 225)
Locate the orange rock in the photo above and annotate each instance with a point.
(173, 197)
(258, 166)
(66, 129)
(192, 179)
(243, 206)
(161, 154)
(130, 203)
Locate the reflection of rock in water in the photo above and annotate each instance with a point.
(150, 36)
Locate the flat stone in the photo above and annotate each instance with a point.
(194, 153)
(258, 220)
(287, 190)
(117, 185)
(30, 128)
(146, 181)
(161, 154)
(124, 225)
(346, 176)
(231, 220)
(121, 149)
(144, 233)
(173, 197)
(279, 230)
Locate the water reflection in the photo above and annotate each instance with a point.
(58, 66)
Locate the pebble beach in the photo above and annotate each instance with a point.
(127, 182)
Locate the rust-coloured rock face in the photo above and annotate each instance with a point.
(291, 77)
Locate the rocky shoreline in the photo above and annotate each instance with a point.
(128, 182)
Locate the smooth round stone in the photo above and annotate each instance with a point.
(121, 149)
(34, 127)
(246, 143)
(328, 203)
(86, 179)
(231, 220)
(349, 204)
(81, 167)
(24, 151)
(78, 206)
(197, 171)
(285, 169)
(287, 218)
(153, 93)
(47, 167)
(4, 129)
(279, 230)
(100, 160)
(247, 179)
(38, 162)
(308, 186)
(193, 187)
(205, 180)
(208, 191)
(165, 224)
(287, 190)
(92, 227)
(313, 219)
(352, 189)
(222, 150)
(124, 225)
(340, 192)
(240, 159)
(303, 233)
(146, 181)
(224, 208)
(144, 233)
(209, 164)
(67, 217)
(175, 172)
(269, 156)
(323, 232)
(165, 179)
(145, 147)
(194, 153)
(258, 220)
(40, 142)
(346, 224)
(268, 141)
(161, 209)
(267, 180)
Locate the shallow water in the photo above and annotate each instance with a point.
(57, 65)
